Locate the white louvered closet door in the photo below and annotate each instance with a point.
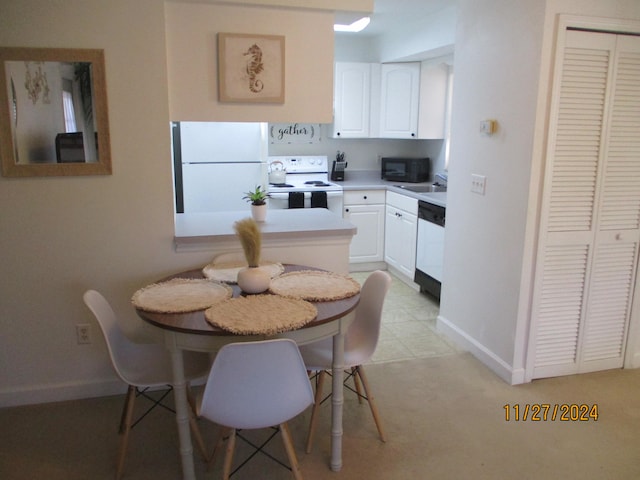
(590, 224)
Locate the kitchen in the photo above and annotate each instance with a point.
(387, 124)
(117, 231)
(357, 194)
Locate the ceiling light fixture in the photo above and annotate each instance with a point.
(356, 26)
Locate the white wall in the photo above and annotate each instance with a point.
(485, 234)
(427, 36)
(60, 236)
(193, 70)
(63, 235)
(364, 154)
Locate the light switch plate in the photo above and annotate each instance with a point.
(478, 183)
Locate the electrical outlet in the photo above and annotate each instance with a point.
(478, 183)
(83, 333)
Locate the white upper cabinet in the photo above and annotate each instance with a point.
(352, 100)
(399, 100)
(434, 80)
(390, 100)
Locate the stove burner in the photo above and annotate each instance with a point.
(317, 183)
(281, 185)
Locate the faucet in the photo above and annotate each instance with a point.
(441, 179)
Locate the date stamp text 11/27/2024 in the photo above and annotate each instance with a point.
(545, 412)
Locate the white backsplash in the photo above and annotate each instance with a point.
(364, 154)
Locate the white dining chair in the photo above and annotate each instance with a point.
(142, 367)
(360, 344)
(254, 385)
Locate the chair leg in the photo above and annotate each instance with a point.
(291, 453)
(356, 382)
(372, 405)
(195, 431)
(315, 410)
(222, 431)
(123, 415)
(228, 459)
(125, 428)
(192, 400)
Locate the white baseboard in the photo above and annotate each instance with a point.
(404, 278)
(633, 362)
(367, 266)
(481, 352)
(34, 394)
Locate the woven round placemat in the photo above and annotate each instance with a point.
(315, 286)
(180, 295)
(228, 271)
(261, 314)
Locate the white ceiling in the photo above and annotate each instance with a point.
(390, 15)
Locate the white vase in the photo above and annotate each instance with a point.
(259, 212)
(253, 280)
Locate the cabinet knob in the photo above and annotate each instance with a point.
(365, 197)
(338, 134)
(346, 209)
(413, 134)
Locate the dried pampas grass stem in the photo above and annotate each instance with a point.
(250, 238)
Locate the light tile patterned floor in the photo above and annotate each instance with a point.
(408, 325)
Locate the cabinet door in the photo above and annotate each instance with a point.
(400, 240)
(352, 100)
(399, 100)
(590, 227)
(432, 113)
(367, 244)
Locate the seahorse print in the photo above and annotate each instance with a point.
(254, 68)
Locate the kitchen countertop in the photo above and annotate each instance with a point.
(296, 223)
(307, 236)
(370, 180)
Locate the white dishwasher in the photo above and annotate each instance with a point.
(430, 247)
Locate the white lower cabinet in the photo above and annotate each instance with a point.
(365, 209)
(401, 228)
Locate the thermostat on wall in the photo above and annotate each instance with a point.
(488, 127)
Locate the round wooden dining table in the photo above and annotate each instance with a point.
(191, 331)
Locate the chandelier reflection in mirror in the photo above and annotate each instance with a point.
(36, 82)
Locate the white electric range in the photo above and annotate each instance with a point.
(306, 184)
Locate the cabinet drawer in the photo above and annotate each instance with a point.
(403, 202)
(364, 197)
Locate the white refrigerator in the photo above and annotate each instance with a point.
(215, 163)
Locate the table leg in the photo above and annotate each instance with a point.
(337, 401)
(182, 414)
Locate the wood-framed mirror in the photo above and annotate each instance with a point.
(53, 112)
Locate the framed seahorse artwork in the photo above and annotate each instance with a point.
(250, 68)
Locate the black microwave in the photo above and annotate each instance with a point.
(403, 169)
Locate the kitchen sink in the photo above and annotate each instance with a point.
(434, 187)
